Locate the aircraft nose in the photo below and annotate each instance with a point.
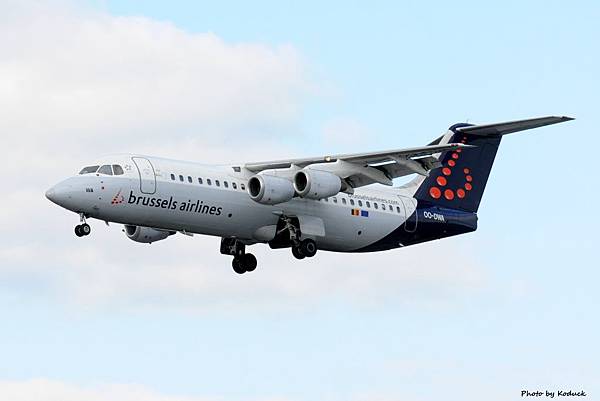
(55, 195)
(59, 194)
(51, 194)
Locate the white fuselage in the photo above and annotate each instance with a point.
(213, 200)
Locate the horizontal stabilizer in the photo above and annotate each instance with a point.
(512, 126)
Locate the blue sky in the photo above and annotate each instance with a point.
(512, 306)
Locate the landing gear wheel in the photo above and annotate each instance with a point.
(237, 266)
(297, 253)
(85, 229)
(78, 231)
(308, 247)
(249, 262)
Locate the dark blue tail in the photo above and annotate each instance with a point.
(460, 181)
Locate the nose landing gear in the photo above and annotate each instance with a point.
(84, 228)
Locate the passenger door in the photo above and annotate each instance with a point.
(147, 175)
(412, 217)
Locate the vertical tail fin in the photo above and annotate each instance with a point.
(460, 181)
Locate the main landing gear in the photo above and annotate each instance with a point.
(84, 228)
(245, 263)
(242, 262)
(306, 248)
(287, 235)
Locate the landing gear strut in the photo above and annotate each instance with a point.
(242, 262)
(289, 235)
(84, 228)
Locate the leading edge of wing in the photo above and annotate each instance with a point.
(368, 157)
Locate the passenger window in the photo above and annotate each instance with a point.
(352, 202)
(180, 178)
(105, 170)
(189, 179)
(398, 209)
(334, 200)
(368, 204)
(208, 181)
(199, 180)
(234, 185)
(391, 208)
(217, 183)
(173, 177)
(325, 199)
(118, 169)
(359, 203)
(344, 201)
(243, 187)
(225, 184)
(89, 169)
(375, 204)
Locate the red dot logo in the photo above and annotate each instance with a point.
(444, 181)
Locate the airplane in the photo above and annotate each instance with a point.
(339, 203)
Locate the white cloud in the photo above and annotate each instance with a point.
(54, 390)
(80, 82)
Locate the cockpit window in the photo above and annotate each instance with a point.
(118, 169)
(89, 169)
(105, 170)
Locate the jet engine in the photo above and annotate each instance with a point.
(269, 189)
(146, 235)
(316, 184)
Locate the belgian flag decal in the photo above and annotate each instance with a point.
(358, 212)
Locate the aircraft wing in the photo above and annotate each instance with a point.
(360, 169)
(361, 158)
